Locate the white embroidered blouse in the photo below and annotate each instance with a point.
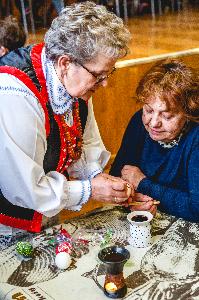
(23, 145)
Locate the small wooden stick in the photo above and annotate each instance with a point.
(137, 203)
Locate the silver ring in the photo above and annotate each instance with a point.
(115, 199)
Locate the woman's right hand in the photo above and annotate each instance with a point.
(109, 189)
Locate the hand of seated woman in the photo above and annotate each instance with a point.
(132, 174)
(142, 202)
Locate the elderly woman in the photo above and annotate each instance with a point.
(52, 155)
(159, 154)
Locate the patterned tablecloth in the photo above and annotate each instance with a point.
(166, 270)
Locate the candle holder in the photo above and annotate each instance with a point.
(114, 258)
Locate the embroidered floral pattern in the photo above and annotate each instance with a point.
(60, 100)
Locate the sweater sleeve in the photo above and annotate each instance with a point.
(174, 201)
(131, 143)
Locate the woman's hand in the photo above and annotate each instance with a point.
(110, 189)
(132, 174)
(143, 202)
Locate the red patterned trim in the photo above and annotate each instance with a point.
(37, 65)
(33, 225)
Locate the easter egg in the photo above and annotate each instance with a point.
(128, 190)
(63, 260)
(24, 248)
(63, 247)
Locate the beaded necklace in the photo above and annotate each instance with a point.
(177, 140)
(73, 134)
(170, 144)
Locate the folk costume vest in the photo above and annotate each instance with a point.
(63, 142)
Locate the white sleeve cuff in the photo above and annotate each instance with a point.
(92, 169)
(79, 193)
(84, 172)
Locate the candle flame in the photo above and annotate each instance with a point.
(111, 287)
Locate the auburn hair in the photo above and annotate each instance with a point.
(175, 83)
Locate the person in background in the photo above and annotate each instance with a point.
(52, 155)
(12, 35)
(59, 5)
(159, 154)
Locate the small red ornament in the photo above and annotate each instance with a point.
(83, 241)
(65, 233)
(63, 247)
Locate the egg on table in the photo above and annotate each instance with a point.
(63, 260)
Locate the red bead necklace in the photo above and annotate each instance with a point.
(73, 135)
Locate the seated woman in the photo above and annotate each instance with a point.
(159, 154)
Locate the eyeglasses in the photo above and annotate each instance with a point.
(99, 78)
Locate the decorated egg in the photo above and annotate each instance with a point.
(63, 260)
(63, 247)
(128, 190)
(25, 249)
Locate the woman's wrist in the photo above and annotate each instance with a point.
(136, 184)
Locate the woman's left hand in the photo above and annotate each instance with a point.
(142, 202)
(132, 174)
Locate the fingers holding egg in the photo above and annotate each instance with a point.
(128, 190)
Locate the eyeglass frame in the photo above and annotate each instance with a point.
(97, 77)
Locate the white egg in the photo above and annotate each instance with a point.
(63, 260)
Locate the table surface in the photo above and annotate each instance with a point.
(166, 270)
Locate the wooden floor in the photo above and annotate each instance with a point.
(167, 33)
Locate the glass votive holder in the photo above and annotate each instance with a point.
(114, 258)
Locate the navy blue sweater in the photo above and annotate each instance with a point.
(172, 175)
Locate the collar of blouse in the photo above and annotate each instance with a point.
(60, 100)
